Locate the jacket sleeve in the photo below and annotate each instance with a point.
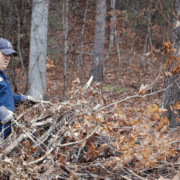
(16, 98)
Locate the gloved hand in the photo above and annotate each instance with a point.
(6, 115)
(28, 98)
(31, 100)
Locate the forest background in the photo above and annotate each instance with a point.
(133, 82)
(129, 64)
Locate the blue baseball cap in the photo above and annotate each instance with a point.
(6, 47)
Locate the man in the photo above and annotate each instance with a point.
(7, 99)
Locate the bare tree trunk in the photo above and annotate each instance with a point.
(19, 47)
(118, 50)
(66, 47)
(98, 50)
(172, 83)
(82, 35)
(38, 49)
(112, 28)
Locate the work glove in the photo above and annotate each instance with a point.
(31, 100)
(28, 98)
(6, 115)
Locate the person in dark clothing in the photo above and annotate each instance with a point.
(7, 98)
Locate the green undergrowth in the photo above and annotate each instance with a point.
(114, 88)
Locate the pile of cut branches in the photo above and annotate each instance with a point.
(87, 138)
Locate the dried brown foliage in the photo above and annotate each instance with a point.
(86, 138)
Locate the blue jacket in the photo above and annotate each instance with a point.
(7, 98)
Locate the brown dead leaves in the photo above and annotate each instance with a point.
(167, 47)
(102, 140)
(177, 106)
(143, 89)
(172, 59)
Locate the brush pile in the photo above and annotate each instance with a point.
(87, 137)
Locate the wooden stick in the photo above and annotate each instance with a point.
(43, 123)
(15, 144)
(77, 142)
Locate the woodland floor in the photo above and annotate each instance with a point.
(123, 138)
(111, 130)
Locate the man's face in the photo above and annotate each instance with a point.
(4, 60)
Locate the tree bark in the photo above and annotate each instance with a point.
(82, 35)
(65, 44)
(98, 49)
(112, 28)
(38, 49)
(19, 46)
(172, 83)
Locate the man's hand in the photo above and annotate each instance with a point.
(28, 98)
(32, 100)
(6, 115)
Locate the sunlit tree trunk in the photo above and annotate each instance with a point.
(98, 50)
(38, 49)
(172, 83)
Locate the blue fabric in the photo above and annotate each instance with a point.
(7, 98)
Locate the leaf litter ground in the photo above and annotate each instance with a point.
(87, 138)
